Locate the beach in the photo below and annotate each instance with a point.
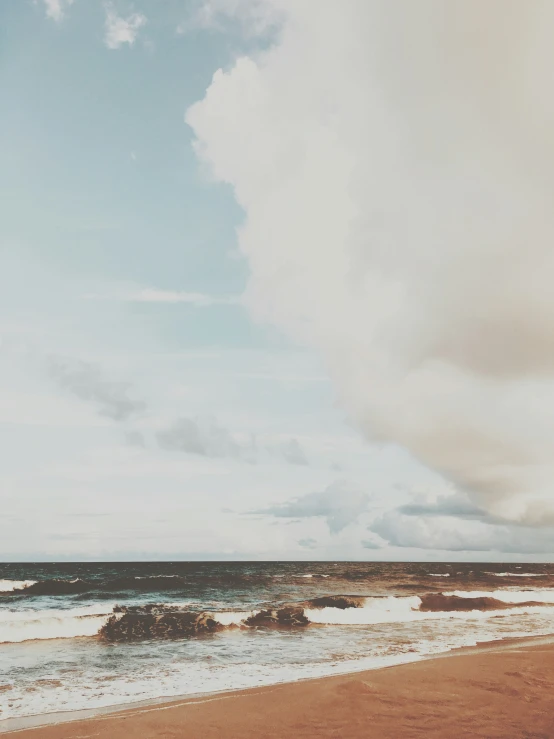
(104, 636)
(499, 691)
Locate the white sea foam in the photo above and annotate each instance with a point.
(401, 634)
(8, 586)
(517, 574)
(18, 626)
(227, 618)
(180, 679)
(406, 609)
(147, 679)
(28, 625)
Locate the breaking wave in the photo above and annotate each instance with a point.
(518, 574)
(152, 583)
(142, 584)
(18, 626)
(8, 586)
(169, 621)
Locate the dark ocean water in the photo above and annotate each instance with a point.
(76, 635)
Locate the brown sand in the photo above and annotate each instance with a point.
(490, 693)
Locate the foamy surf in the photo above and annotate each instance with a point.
(178, 621)
(407, 610)
(19, 626)
(184, 628)
(516, 574)
(8, 586)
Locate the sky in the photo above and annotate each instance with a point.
(275, 280)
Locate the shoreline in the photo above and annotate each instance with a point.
(42, 725)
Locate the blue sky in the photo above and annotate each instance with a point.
(146, 409)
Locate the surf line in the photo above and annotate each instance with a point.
(123, 713)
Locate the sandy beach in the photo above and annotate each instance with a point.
(500, 691)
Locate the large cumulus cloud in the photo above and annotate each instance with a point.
(395, 163)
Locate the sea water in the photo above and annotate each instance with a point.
(55, 654)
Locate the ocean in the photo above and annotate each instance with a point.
(92, 635)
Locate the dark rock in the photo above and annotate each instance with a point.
(439, 602)
(171, 625)
(290, 616)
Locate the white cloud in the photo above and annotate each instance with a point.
(121, 30)
(397, 183)
(55, 9)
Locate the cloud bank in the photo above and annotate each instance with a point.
(450, 534)
(395, 165)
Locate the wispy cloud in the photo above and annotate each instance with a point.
(152, 295)
(121, 30)
(202, 436)
(55, 9)
(340, 504)
(206, 437)
(87, 382)
(293, 452)
(155, 295)
(457, 506)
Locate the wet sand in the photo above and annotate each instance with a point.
(504, 692)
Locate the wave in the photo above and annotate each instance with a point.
(18, 626)
(143, 584)
(539, 595)
(393, 609)
(152, 583)
(168, 621)
(337, 601)
(8, 586)
(52, 587)
(518, 574)
(438, 602)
